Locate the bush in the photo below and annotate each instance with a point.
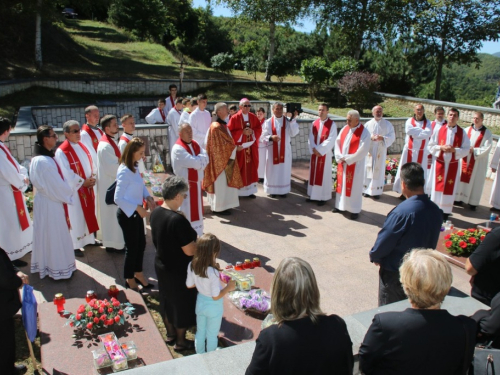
(280, 67)
(358, 88)
(341, 67)
(314, 72)
(223, 62)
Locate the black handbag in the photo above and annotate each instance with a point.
(484, 360)
(110, 194)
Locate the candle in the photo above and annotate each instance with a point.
(256, 262)
(238, 266)
(247, 264)
(59, 301)
(90, 296)
(113, 291)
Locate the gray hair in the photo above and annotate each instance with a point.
(219, 106)
(182, 126)
(68, 124)
(276, 104)
(353, 113)
(91, 108)
(173, 186)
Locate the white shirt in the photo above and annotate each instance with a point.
(209, 287)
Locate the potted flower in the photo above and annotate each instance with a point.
(463, 242)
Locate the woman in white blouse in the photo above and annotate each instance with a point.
(129, 195)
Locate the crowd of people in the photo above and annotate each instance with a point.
(92, 185)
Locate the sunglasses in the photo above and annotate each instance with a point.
(74, 131)
(247, 106)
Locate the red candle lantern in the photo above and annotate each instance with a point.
(238, 266)
(59, 301)
(247, 264)
(90, 296)
(256, 262)
(113, 291)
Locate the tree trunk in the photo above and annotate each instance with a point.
(359, 36)
(272, 41)
(38, 36)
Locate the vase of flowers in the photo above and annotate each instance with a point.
(391, 168)
(97, 314)
(334, 173)
(462, 243)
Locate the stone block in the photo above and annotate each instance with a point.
(20, 153)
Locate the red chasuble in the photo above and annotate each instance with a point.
(468, 168)
(108, 139)
(410, 145)
(95, 141)
(194, 194)
(446, 184)
(86, 194)
(18, 195)
(248, 158)
(279, 156)
(65, 206)
(350, 169)
(318, 162)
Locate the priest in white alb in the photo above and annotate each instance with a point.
(495, 189)
(475, 164)
(80, 171)
(322, 138)
(170, 100)
(351, 147)
(382, 136)
(108, 156)
(173, 117)
(90, 130)
(261, 115)
(16, 230)
(222, 177)
(189, 161)
(52, 254)
(418, 132)
(157, 115)
(448, 146)
(200, 120)
(277, 133)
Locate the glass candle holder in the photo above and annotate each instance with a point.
(256, 262)
(113, 291)
(90, 296)
(247, 265)
(59, 301)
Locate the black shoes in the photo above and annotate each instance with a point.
(336, 210)
(148, 286)
(19, 263)
(78, 253)
(223, 213)
(252, 196)
(376, 197)
(472, 208)
(113, 250)
(354, 216)
(321, 203)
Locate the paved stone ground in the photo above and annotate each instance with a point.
(272, 229)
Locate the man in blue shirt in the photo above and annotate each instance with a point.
(414, 223)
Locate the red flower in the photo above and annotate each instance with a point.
(472, 240)
(472, 230)
(117, 318)
(462, 244)
(460, 233)
(71, 324)
(81, 309)
(78, 316)
(482, 237)
(101, 310)
(109, 322)
(103, 317)
(90, 314)
(120, 312)
(96, 320)
(110, 310)
(447, 237)
(89, 326)
(116, 303)
(448, 243)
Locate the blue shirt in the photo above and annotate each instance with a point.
(130, 190)
(414, 223)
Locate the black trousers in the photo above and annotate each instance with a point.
(390, 289)
(135, 240)
(7, 346)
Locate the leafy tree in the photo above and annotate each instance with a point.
(315, 73)
(340, 67)
(280, 67)
(224, 63)
(146, 19)
(252, 65)
(272, 12)
(452, 31)
(359, 88)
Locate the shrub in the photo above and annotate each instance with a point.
(223, 62)
(341, 67)
(251, 64)
(314, 72)
(358, 88)
(280, 67)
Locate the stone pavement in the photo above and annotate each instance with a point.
(272, 229)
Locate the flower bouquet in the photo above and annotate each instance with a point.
(255, 301)
(115, 352)
(334, 173)
(463, 243)
(29, 202)
(99, 314)
(391, 167)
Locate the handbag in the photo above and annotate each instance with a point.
(484, 360)
(110, 194)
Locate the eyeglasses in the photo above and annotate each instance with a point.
(74, 131)
(247, 106)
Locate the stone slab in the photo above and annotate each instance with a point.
(63, 354)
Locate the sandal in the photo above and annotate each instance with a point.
(171, 339)
(189, 346)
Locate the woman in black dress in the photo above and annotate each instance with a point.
(174, 239)
(305, 340)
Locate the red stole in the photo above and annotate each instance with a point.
(124, 138)
(194, 194)
(350, 169)
(65, 206)
(279, 157)
(446, 184)
(410, 144)
(18, 195)
(95, 141)
(171, 101)
(86, 194)
(163, 117)
(433, 124)
(318, 162)
(468, 168)
(108, 139)
(429, 157)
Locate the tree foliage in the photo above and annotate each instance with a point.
(315, 73)
(223, 62)
(280, 67)
(358, 88)
(251, 65)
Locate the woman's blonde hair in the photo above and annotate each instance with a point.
(426, 277)
(207, 249)
(127, 157)
(294, 291)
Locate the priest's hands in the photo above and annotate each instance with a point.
(275, 138)
(447, 148)
(316, 152)
(89, 182)
(248, 131)
(341, 160)
(239, 148)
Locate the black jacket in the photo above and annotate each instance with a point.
(9, 287)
